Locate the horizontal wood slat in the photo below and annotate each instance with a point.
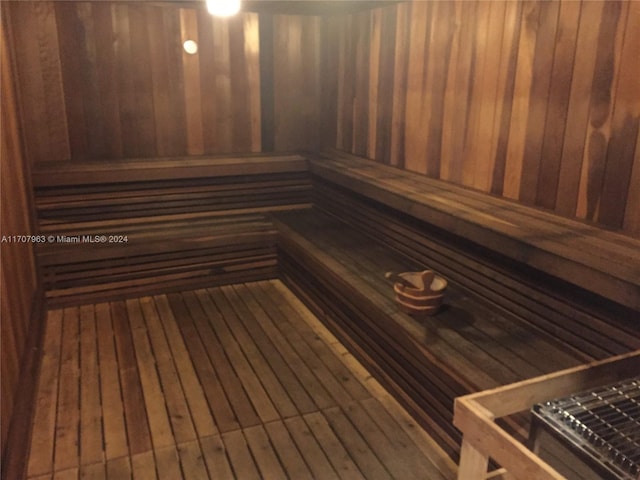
(135, 227)
(599, 261)
(92, 173)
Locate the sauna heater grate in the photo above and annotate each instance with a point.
(604, 424)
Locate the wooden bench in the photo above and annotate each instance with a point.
(504, 320)
(599, 261)
(139, 227)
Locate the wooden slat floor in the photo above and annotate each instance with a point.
(238, 381)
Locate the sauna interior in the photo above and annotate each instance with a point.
(199, 213)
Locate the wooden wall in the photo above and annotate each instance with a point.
(535, 101)
(17, 268)
(101, 80)
(104, 80)
(296, 57)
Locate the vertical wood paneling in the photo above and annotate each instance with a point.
(620, 170)
(600, 108)
(632, 212)
(106, 73)
(415, 141)
(192, 85)
(539, 99)
(296, 57)
(17, 266)
(558, 105)
(400, 66)
(521, 100)
(533, 101)
(577, 118)
(40, 83)
(106, 80)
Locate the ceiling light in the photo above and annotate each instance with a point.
(223, 8)
(190, 47)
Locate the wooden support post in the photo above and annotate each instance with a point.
(473, 463)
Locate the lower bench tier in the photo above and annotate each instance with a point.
(156, 255)
(472, 344)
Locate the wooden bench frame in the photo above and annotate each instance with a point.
(475, 416)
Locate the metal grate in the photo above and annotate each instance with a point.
(605, 423)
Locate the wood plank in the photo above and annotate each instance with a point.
(298, 317)
(401, 444)
(539, 100)
(278, 359)
(522, 98)
(160, 72)
(400, 69)
(356, 445)
(192, 85)
(138, 433)
(43, 434)
(167, 463)
(240, 100)
(192, 461)
(106, 72)
(558, 106)
(510, 42)
(119, 468)
(70, 474)
(68, 413)
(577, 117)
(252, 54)
(143, 466)
(310, 358)
(115, 436)
(239, 455)
(251, 383)
(332, 446)
(619, 161)
(175, 80)
(126, 89)
(386, 451)
(258, 361)
(214, 453)
(494, 67)
(72, 59)
(263, 452)
(96, 471)
(632, 214)
(414, 148)
(607, 65)
(172, 388)
(205, 317)
(96, 141)
(91, 434)
(439, 56)
(219, 406)
(292, 460)
(155, 405)
(311, 451)
(292, 357)
(425, 443)
(46, 175)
